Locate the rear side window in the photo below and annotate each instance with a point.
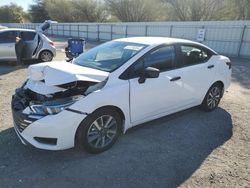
(28, 36)
(192, 55)
(8, 37)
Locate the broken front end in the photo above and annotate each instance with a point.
(40, 109)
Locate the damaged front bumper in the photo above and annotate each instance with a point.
(51, 132)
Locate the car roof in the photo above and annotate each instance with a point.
(155, 40)
(17, 29)
(160, 40)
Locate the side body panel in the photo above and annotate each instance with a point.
(114, 93)
(156, 96)
(197, 79)
(44, 45)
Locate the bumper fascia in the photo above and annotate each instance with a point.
(62, 126)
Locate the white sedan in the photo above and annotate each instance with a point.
(113, 87)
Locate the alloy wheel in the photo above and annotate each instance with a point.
(46, 56)
(213, 98)
(102, 131)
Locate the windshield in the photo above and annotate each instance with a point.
(109, 56)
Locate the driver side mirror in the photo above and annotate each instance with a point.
(149, 72)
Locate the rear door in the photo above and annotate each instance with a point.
(7, 44)
(32, 41)
(197, 71)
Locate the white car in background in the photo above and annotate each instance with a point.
(38, 46)
(113, 87)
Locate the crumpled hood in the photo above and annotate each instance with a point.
(61, 72)
(44, 78)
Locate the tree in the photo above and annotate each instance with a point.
(242, 9)
(37, 11)
(196, 10)
(60, 10)
(89, 10)
(135, 11)
(75, 10)
(12, 14)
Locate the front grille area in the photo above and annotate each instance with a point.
(21, 121)
(18, 104)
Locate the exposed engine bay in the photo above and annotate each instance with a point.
(40, 104)
(52, 87)
(70, 89)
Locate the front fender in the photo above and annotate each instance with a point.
(110, 95)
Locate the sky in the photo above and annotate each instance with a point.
(23, 3)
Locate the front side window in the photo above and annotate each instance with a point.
(109, 56)
(193, 55)
(8, 37)
(161, 58)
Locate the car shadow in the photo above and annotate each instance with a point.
(7, 67)
(161, 153)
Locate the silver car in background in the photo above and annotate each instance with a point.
(38, 46)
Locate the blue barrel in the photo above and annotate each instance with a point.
(76, 46)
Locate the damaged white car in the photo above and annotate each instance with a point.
(113, 87)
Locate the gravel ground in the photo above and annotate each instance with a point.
(188, 149)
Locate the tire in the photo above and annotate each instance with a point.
(212, 98)
(46, 56)
(99, 131)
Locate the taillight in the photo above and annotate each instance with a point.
(229, 64)
(52, 43)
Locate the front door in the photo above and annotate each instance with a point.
(7, 44)
(157, 95)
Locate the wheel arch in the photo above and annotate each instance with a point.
(114, 108)
(221, 84)
(121, 113)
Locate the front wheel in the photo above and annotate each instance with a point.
(99, 131)
(46, 56)
(212, 98)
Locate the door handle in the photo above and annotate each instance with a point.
(210, 66)
(175, 78)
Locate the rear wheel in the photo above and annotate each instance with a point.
(99, 131)
(46, 56)
(213, 97)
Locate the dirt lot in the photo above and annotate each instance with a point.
(188, 149)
